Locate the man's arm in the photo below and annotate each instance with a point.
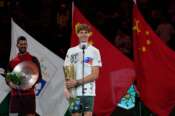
(8, 69)
(93, 76)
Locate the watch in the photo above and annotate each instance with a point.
(78, 83)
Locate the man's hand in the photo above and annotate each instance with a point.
(71, 83)
(10, 84)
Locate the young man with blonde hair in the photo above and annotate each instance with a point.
(86, 60)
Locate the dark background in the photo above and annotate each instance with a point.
(49, 21)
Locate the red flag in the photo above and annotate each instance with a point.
(155, 67)
(116, 74)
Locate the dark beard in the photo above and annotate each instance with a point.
(22, 50)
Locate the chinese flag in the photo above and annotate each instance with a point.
(155, 67)
(116, 74)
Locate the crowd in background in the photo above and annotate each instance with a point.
(115, 22)
(51, 20)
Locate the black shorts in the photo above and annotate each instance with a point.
(22, 104)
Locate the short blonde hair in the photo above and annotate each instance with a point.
(80, 27)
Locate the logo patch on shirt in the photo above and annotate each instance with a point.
(74, 58)
(88, 60)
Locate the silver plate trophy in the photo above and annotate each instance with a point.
(28, 73)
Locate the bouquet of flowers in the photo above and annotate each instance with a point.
(14, 77)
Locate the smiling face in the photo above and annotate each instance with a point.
(83, 36)
(22, 46)
(83, 32)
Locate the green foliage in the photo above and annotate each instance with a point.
(15, 78)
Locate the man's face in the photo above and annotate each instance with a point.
(22, 46)
(83, 36)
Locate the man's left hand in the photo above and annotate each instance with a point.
(71, 83)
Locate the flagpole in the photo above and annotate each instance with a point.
(139, 102)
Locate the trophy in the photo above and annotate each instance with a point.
(69, 73)
(23, 76)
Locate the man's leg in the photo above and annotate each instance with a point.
(76, 114)
(88, 114)
(87, 105)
